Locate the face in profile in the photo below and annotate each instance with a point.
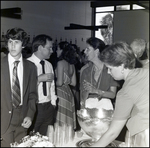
(15, 48)
(90, 53)
(115, 72)
(47, 49)
(59, 51)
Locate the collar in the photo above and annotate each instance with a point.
(36, 59)
(12, 60)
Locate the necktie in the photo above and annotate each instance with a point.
(16, 96)
(44, 83)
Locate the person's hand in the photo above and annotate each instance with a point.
(48, 77)
(82, 104)
(27, 122)
(86, 144)
(79, 134)
(53, 102)
(88, 87)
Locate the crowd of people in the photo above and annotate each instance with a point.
(42, 85)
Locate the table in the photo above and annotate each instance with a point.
(58, 137)
(72, 143)
(75, 140)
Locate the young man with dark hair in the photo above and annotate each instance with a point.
(18, 89)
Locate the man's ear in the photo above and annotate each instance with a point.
(97, 51)
(40, 47)
(122, 67)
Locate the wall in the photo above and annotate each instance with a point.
(50, 17)
(129, 25)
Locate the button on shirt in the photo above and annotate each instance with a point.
(50, 86)
(11, 61)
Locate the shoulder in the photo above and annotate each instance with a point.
(84, 67)
(138, 73)
(29, 63)
(4, 59)
(62, 63)
(4, 62)
(138, 77)
(30, 58)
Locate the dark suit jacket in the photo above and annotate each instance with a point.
(29, 92)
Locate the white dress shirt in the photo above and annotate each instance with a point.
(11, 61)
(50, 86)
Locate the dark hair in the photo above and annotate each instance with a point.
(17, 34)
(63, 44)
(75, 46)
(96, 43)
(117, 54)
(69, 54)
(40, 40)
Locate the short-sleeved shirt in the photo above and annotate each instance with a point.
(104, 82)
(132, 101)
(51, 95)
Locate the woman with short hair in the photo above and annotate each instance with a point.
(132, 100)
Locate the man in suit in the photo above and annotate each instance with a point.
(42, 49)
(17, 116)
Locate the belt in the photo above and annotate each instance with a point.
(44, 103)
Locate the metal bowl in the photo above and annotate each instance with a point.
(94, 122)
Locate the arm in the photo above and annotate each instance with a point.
(60, 74)
(73, 78)
(48, 77)
(123, 107)
(83, 92)
(52, 91)
(111, 134)
(53, 94)
(111, 93)
(32, 98)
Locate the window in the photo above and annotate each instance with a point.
(105, 34)
(104, 16)
(104, 9)
(123, 7)
(135, 7)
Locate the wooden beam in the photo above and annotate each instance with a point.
(108, 3)
(11, 12)
(76, 26)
